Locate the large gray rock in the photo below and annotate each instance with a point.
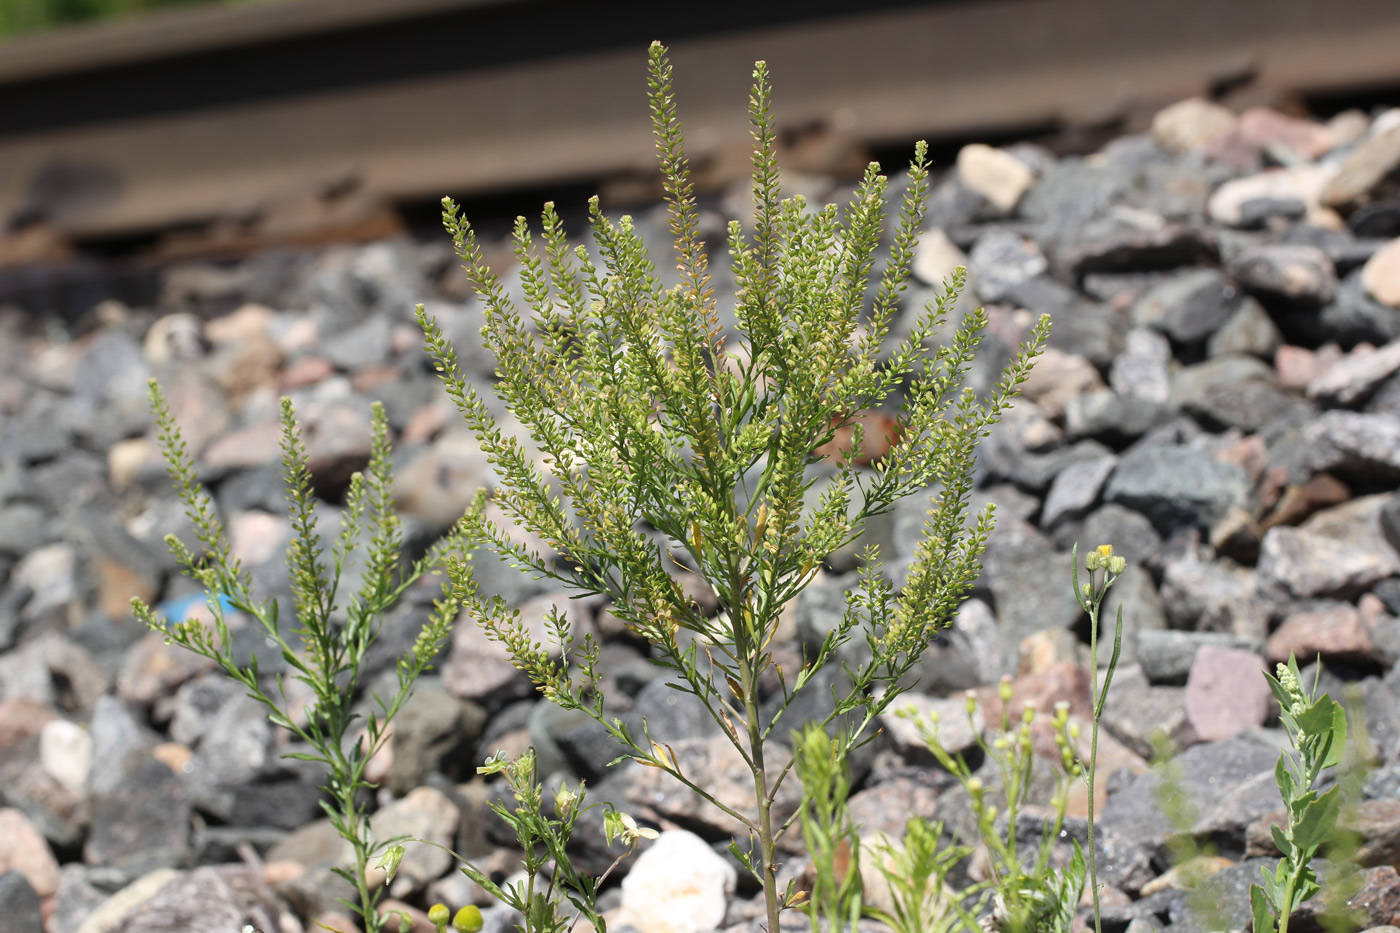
(1209, 772)
(1233, 392)
(21, 913)
(1166, 655)
(1188, 307)
(1001, 260)
(1177, 486)
(1340, 552)
(1356, 377)
(1208, 595)
(434, 731)
(1248, 330)
(1285, 273)
(1353, 444)
(142, 824)
(1075, 491)
(1112, 419)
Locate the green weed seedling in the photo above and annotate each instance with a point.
(1091, 594)
(827, 830)
(668, 441)
(1317, 733)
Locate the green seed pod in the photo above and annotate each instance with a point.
(468, 920)
(438, 915)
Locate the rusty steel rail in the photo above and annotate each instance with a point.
(192, 115)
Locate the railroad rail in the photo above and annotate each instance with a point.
(190, 116)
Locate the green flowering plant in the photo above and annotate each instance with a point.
(1029, 895)
(1317, 733)
(1104, 569)
(667, 441)
(550, 876)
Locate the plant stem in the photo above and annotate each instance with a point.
(1094, 758)
(766, 843)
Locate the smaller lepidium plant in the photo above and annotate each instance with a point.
(329, 658)
(1317, 732)
(550, 876)
(675, 448)
(1027, 893)
(326, 650)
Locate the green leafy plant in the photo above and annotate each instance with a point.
(550, 876)
(914, 868)
(1317, 732)
(676, 444)
(326, 650)
(1028, 893)
(915, 873)
(329, 658)
(827, 831)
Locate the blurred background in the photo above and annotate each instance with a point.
(153, 130)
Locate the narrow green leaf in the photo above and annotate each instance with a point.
(1287, 787)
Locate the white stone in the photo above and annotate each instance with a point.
(1191, 124)
(936, 257)
(65, 754)
(995, 174)
(678, 885)
(1381, 274)
(1303, 183)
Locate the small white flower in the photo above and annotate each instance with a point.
(631, 832)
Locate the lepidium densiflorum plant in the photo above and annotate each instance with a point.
(667, 443)
(324, 648)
